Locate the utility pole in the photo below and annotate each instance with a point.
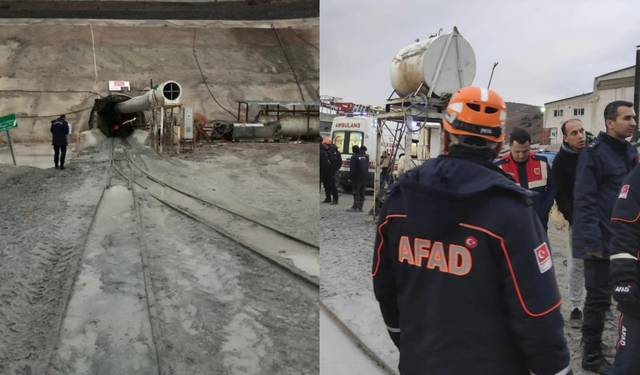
(490, 78)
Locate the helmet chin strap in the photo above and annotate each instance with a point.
(461, 140)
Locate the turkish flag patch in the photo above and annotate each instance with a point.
(624, 191)
(543, 256)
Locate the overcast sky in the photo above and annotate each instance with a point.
(546, 49)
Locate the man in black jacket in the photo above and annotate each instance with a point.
(59, 129)
(327, 173)
(462, 266)
(602, 167)
(575, 138)
(358, 171)
(625, 273)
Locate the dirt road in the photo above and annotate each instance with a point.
(77, 297)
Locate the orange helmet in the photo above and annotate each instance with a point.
(477, 112)
(326, 141)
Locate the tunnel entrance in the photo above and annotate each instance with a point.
(111, 123)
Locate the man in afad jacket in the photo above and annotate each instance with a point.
(625, 273)
(59, 129)
(602, 167)
(530, 171)
(462, 268)
(574, 140)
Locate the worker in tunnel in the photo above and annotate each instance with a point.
(462, 266)
(59, 129)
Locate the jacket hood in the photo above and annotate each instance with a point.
(447, 187)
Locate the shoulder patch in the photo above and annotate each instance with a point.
(624, 192)
(543, 256)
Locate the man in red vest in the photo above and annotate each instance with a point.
(531, 172)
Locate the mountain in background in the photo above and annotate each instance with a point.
(524, 116)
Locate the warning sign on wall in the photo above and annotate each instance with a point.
(118, 85)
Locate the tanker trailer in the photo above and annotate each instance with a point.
(440, 66)
(299, 127)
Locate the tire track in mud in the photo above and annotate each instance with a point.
(39, 249)
(106, 329)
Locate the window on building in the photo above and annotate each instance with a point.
(558, 112)
(578, 111)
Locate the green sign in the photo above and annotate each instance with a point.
(8, 122)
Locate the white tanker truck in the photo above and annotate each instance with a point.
(433, 68)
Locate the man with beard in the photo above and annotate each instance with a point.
(531, 172)
(574, 139)
(602, 167)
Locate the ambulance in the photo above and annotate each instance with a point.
(348, 131)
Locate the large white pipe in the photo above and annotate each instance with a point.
(166, 93)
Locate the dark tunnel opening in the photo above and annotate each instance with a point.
(112, 123)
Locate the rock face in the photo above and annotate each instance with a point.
(61, 67)
(162, 9)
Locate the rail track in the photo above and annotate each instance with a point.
(295, 255)
(116, 244)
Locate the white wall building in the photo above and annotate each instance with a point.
(589, 107)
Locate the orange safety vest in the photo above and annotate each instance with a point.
(537, 170)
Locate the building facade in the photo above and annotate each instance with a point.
(589, 108)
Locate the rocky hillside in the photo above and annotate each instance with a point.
(525, 116)
(48, 69)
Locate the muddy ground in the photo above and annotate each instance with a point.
(347, 249)
(72, 294)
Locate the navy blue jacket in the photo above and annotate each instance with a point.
(602, 167)
(358, 168)
(625, 243)
(325, 164)
(463, 274)
(59, 129)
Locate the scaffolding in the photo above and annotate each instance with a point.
(165, 127)
(403, 118)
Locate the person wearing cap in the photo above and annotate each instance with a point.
(59, 129)
(462, 266)
(327, 172)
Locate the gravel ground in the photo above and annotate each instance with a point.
(215, 306)
(347, 249)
